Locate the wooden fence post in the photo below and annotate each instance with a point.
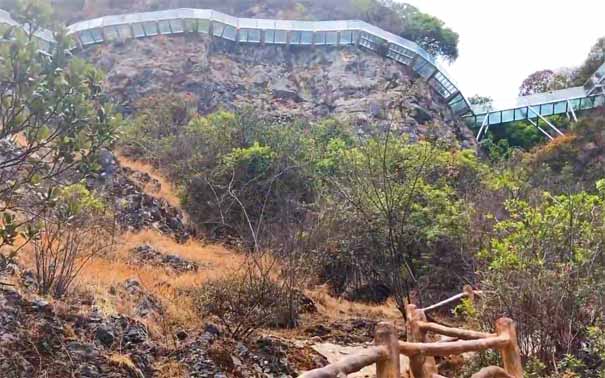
(511, 358)
(386, 335)
(421, 366)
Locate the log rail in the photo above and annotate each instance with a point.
(385, 353)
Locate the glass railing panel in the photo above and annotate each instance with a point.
(242, 36)
(546, 109)
(269, 36)
(560, 107)
(495, 118)
(230, 33)
(306, 38)
(254, 36)
(164, 27)
(124, 31)
(319, 38)
(249, 35)
(345, 38)
(508, 116)
(218, 29)
(295, 37)
(281, 37)
(203, 26)
(85, 38)
(575, 104)
(586, 103)
(97, 35)
(111, 33)
(332, 38)
(459, 107)
(177, 26)
(190, 25)
(520, 114)
(456, 99)
(138, 30)
(424, 69)
(599, 100)
(151, 28)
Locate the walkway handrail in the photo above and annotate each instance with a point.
(421, 352)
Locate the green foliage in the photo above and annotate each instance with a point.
(76, 201)
(429, 32)
(403, 202)
(56, 110)
(37, 13)
(545, 261)
(465, 309)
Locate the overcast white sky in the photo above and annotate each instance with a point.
(503, 41)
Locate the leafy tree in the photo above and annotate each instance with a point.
(398, 211)
(35, 13)
(545, 269)
(428, 31)
(545, 81)
(596, 57)
(54, 118)
(537, 82)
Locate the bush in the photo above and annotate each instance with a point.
(74, 230)
(245, 302)
(546, 269)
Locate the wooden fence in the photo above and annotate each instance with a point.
(421, 352)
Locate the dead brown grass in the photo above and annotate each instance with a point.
(167, 191)
(171, 369)
(100, 277)
(337, 308)
(101, 274)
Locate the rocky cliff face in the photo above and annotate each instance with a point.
(279, 82)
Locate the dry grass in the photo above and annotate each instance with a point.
(167, 191)
(125, 362)
(338, 308)
(171, 369)
(103, 274)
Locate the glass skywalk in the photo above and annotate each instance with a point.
(328, 33)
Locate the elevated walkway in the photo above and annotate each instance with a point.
(534, 108)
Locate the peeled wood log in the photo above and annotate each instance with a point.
(421, 365)
(492, 372)
(459, 333)
(386, 336)
(454, 347)
(511, 358)
(350, 364)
